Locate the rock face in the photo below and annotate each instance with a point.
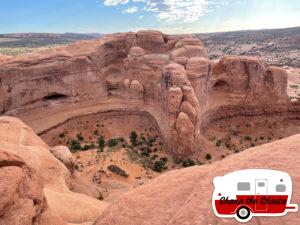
(64, 154)
(184, 196)
(21, 189)
(147, 71)
(34, 185)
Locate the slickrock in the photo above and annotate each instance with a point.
(21, 192)
(33, 181)
(139, 71)
(184, 196)
(64, 154)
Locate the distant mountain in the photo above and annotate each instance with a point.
(35, 40)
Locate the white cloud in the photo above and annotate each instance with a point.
(168, 11)
(172, 11)
(130, 10)
(140, 17)
(114, 2)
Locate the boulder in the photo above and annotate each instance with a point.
(64, 154)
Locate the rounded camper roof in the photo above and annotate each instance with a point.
(250, 174)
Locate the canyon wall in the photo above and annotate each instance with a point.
(167, 76)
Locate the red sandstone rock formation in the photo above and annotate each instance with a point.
(169, 77)
(184, 196)
(4, 58)
(34, 185)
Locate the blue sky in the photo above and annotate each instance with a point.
(170, 16)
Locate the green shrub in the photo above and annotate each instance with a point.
(85, 148)
(100, 196)
(294, 86)
(133, 138)
(117, 170)
(121, 139)
(248, 138)
(101, 143)
(79, 137)
(218, 143)
(133, 155)
(188, 163)
(208, 156)
(159, 166)
(112, 142)
(96, 132)
(146, 152)
(154, 157)
(164, 159)
(75, 145)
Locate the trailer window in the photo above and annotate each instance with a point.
(243, 186)
(280, 188)
(261, 184)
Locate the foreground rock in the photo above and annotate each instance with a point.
(22, 200)
(35, 186)
(184, 196)
(167, 76)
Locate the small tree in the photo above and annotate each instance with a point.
(133, 138)
(75, 145)
(159, 166)
(79, 137)
(112, 142)
(208, 156)
(101, 143)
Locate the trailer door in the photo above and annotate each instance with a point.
(261, 190)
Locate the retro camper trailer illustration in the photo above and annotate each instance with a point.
(253, 192)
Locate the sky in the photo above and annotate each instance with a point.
(169, 16)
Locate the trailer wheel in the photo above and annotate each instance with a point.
(243, 213)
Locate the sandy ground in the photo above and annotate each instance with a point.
(235, 135)
(92, 164)
(229, 136)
